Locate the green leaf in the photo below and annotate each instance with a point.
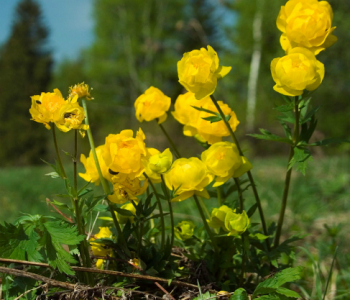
(84, 192)
(271, 284)
(285, 108)
(205, 110)
(101, 208)
(300, 157)
(252, 210)
(309, 115)
(287, 117)
(213, 119)
(287, 292)
(267, 135)
(124, 212)
(240, 294)
(274, 296)
(258, 236)
(53, 175)
(330, 141)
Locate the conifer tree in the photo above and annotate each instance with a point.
(25, 65)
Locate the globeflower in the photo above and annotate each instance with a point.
(44, 107)
(154, 177)
(153, 104)
(91, 174)
(124, 219)
(125, 154)
(236, 223)
(297, 71)
(127, 189)
(184, 230)
(199, 71)
(99, 249)
(306, 24)
(80, 90)
(188, 176)
(224, 161)
(71, 116)
(218, 215)
(161, 162)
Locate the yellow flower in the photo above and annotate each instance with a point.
(44, 107)
(71, 116)
(80, 90)
(188, 176)
(99, 249)
(126, 189)
(297, 71)
(90, 166)
(124, 219)
(125, 154)
(223, 295)
(236, 223)
(224, 161)
(218, 215)
(153, 104)
(154, 177)
(161, 162)
(306, 23)
(199, 71)
(184, 230)
(99, 264)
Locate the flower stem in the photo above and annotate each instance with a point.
(170, 141)
(75, 159)
(104, 182)
(240, 196)
(63, 172)
(250, 176)
(243, 262)
(160, 211)
(205, 223)
(171, 214)
(288, 174)
(219, 193)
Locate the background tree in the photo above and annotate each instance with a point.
(25, 65)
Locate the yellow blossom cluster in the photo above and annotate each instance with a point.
(306, 27)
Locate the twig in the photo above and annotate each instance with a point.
(164, 290)
(33, 289)
(61, 213)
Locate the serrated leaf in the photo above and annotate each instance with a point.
(267, 135)
(287, 292)
(84, 192)
(124, 212)
(309, 115)
(240, 294)
(213, 119)
(287, 117)
(274, 296)
(271, 284)
(205, 110)
(330, 141)
(285, 108)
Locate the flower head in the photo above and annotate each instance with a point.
(45, 106)
(124, 219)
(154, 177)
(188, 176)
(80, 90)
(91, 173)
(236, 223)
(307, 24)
(199, 71)
(99, 249)
(125, 154)
(161, 162)
(218, 215)
(126, 189)
(71, 116)
(224, 161)
(184, 230)
(297, 71)
(153, 104)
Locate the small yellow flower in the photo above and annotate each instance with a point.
(161, 162)
(90, 167)
(224, 161)
(71, 116)
(184, 230)
(223, 295)
(154, 177)
(306, 24)
(297, 71)
(127, 189)
(199, 71)
(125, 154)
(236, 223)
(80, 90)
(218, 215)
(99, 264)
(44, 107)
(124, 219)
(153, 104)
(188, 176)
(100, 249)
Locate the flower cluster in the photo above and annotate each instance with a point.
(306, 27)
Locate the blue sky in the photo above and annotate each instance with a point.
(69, 21)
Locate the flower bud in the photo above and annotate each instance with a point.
(161, 162)
(184, 230)
(218, 215)
(81, 90)
(236, 223)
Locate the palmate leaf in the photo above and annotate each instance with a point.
(300, 158)
(267, 135)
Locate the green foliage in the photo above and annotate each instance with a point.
(25, 65)
(240, 294)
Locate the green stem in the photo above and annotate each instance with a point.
(243, 263)
(205, 223)
(250, 176)
(170, 141)
(171, 214)
(219, 193)
(58, 153)
(204, 207)
(160, 211)
(240, 196)
(288, 174)
(140, 239)
(75, 159)
(104, 182)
